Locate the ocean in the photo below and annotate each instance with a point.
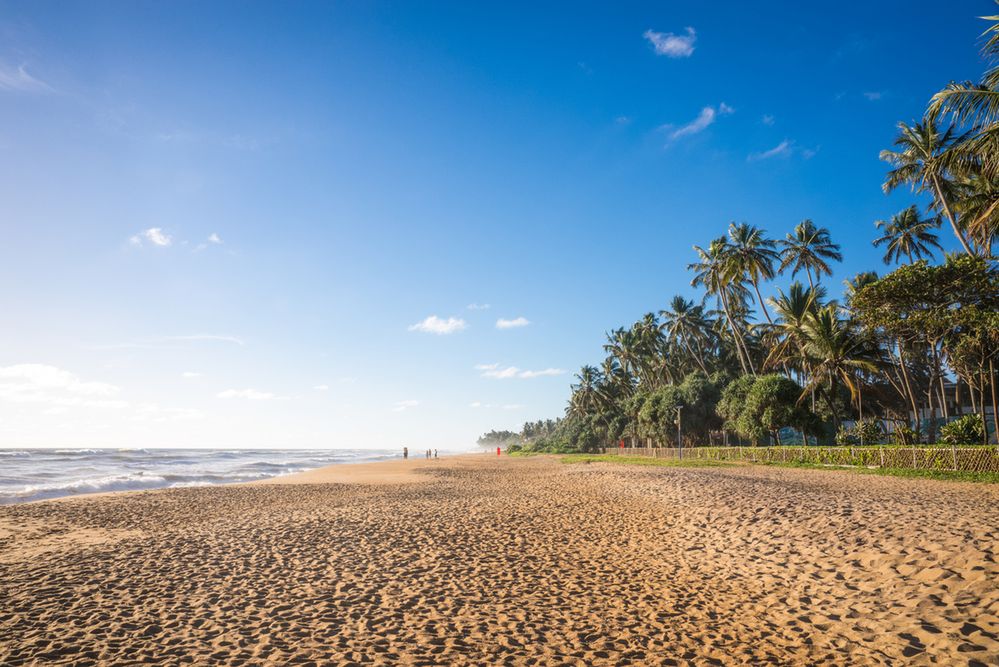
(37, 474)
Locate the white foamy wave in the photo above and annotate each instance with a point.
(40, 474)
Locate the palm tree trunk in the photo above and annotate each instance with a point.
(690, 351)
(995, 403)
(759, 300)
(950, 216)
(735, 332)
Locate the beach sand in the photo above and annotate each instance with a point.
(486, 560)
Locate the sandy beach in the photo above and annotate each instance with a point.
(479, 560)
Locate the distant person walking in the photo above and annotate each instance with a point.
(405, 452)
(435, 453)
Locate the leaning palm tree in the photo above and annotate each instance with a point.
(753, 257)
(807, 249)
(908, 234)
(715, 273)
(921, 161)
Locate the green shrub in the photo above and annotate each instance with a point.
(966, 430)
(903, 436)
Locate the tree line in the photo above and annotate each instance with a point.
(912, 349)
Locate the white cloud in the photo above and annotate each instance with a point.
(190, 374)
(768, 119)
(402, 406)
(874, 96)
(436, 325)
(215, 238)
(704, 119)
(207, 337)
(479, 306)
(477, 404)
(153, 235)
(512, 324)
(514, 406)
(541, 373)
(250, 395)
(42, 383)
(496, 372)
(17, 80)
(674, 46)
(322, 387)
(783, 149)
(622, 120)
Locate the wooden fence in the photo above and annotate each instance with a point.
(925, 457)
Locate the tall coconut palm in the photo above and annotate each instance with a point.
(623, 344)
(714, 272)
(808, 248)
(921, 161)
(753, 257)
(909, 235)
(979, 208)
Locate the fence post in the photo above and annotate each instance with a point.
(914, 456)
(881, 450)
(953, 455)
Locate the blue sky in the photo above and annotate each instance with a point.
(221, 221)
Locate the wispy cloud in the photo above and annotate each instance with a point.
(704, 119)
(402, 406)
(322, 387)
(18, 80)
(190, 374)
(515, 323)
(154, 236)
(479, 306)
(250, 395)
(497, 372)
(673, 46)
(439, 326)
(768, 119)
(874, 96)
(783, 149)
(218, 338)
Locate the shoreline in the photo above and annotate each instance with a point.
(390, 471)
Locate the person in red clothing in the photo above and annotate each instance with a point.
(497, 451)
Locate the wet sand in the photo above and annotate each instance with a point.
(479, 560)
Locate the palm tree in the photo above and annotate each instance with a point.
(976, 104)
(979, 208)
(838, 354)
(686, 325)
(921, 161)
(908, 234)
(586, 393)
(857, 283)
(714, 272)
(753, 257)
(808, 248)
(792, 310)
